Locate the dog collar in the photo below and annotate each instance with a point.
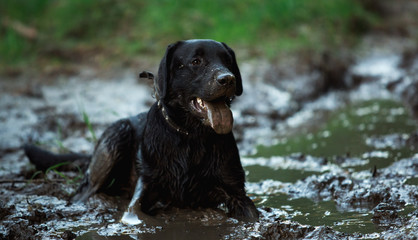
(170, 122)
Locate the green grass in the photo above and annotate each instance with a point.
(125, 29)
(89, 125)
(54, 168)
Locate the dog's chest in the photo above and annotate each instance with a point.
(191, 163)
(183, 163)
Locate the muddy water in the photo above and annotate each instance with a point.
(357, 138)
(371, 131)
(339, 163)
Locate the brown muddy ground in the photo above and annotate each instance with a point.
(34, 205)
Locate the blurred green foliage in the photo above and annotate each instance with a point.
(131, 27)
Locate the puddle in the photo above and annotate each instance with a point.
(371, 135)
(354, 132)
(412, 181)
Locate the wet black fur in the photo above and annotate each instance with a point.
(200, 169)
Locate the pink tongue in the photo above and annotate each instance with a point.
(219, 117)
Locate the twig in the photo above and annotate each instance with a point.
(5, 181)
(21, 29)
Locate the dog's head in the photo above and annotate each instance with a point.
(202, 77)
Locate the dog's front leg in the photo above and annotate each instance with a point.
(152, 201)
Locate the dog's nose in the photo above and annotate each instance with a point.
(225, 79)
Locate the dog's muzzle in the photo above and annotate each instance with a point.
(214, 109)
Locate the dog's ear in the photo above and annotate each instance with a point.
(147, 75)
(235, 71)
(164, 71)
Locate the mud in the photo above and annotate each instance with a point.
(35, 205)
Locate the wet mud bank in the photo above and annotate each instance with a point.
(307, 181)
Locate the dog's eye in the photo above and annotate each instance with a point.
(196, 62)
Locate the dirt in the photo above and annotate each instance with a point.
(35, 205)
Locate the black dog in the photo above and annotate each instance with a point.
(182, 151)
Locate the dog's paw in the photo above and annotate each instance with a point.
(243, 210)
